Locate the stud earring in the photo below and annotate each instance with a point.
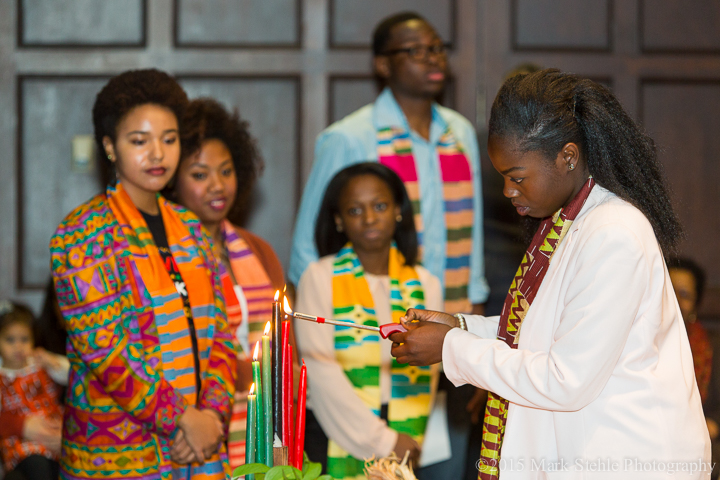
(339, 227)
(398, 218)
(110, 157)
(571, 167)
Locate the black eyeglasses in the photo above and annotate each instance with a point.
(420, 53)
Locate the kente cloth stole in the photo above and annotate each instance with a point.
(358, 351)
(523, 289)
(259, 294)
(395, 151)
(178, 363)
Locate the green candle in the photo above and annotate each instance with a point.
(250, 429)
(259, 433)
(267, 396)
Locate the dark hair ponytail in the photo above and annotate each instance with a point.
(545, 110)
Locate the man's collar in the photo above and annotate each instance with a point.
(387, 113)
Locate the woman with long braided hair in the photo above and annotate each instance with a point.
(588, 367)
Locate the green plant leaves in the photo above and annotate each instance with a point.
(284, 472)
(311, 471)
(249, 468)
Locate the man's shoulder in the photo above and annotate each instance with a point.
(359, 120)
(454, 119)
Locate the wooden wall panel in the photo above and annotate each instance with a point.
(669, 26)
(561, 25)
(272, 107)
(347, 94)
(352, 22)
(81, 23)
(683, 118)
(233, 23)
(53, 110)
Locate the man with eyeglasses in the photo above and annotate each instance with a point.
(434, 151)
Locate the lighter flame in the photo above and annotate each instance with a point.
(255, 354)
(277, 295)
(252, 389)
(267, 328)
(286, 306)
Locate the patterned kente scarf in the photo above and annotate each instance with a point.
(358, 352)
(522, 292)
(132, 359)
(258, 294)
(395, 151)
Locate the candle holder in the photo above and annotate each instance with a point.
(280, 456)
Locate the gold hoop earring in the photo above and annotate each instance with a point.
(398, 218)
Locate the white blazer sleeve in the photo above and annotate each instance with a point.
(483, 327)
(341, 413)
(604, 295)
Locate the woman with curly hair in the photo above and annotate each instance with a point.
(219, 165)
(151, 379)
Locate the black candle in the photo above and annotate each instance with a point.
(277, 366)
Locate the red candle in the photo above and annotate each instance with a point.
(288, 386)
(300, 424)
(286, 393)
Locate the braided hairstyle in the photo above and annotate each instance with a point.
(545, 110)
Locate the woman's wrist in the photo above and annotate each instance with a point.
(461, 323)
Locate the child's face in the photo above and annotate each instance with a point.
(368, 213)
(16, 344)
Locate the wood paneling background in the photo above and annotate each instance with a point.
(293, 66)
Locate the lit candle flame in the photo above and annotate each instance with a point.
(277, 295)
(285, 288)
(252, 389)
(267, 329)
(255, 354)
(286, 306)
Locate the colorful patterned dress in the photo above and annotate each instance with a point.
(25, 392)
(133, 369)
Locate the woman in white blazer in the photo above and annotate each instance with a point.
(589, 366)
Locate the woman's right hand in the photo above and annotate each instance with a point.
(404, 444)
(203, 432)
(414, 314)
(46, 431)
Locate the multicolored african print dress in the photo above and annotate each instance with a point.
(133, 362)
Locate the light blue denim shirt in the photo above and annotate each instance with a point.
(353, 140)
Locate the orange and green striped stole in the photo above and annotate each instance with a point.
(358, 352)
(523, 289)
(395, 152)
(258, 292)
